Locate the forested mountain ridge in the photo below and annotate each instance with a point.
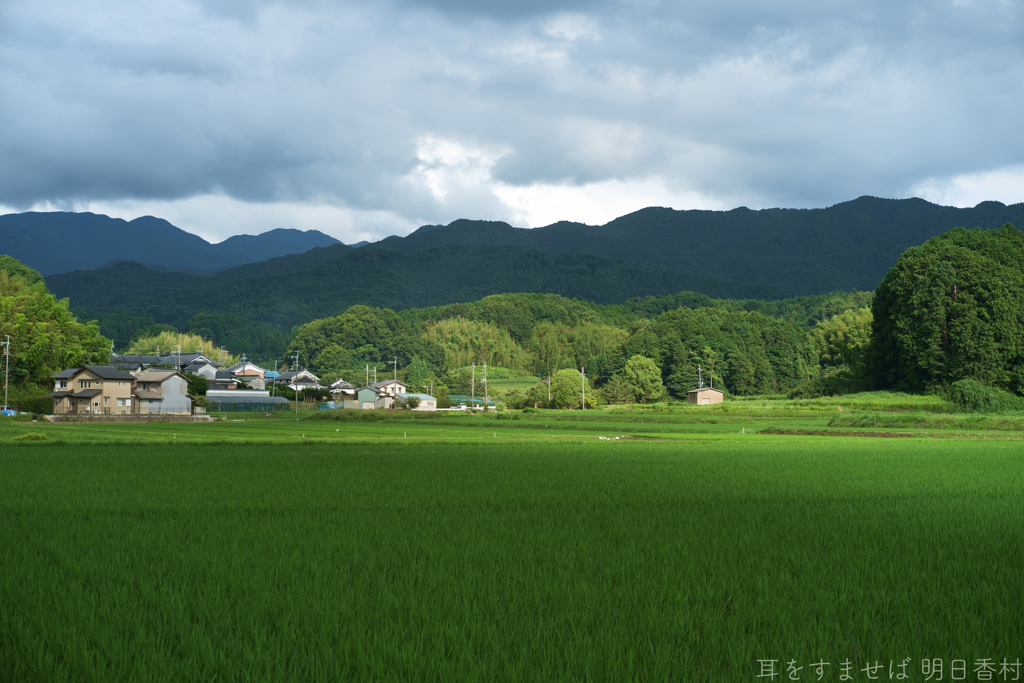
(384, 278)
(60, 242)
(850, 245)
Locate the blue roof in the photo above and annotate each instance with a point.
(271, 373)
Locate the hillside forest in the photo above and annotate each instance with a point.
(950, 310)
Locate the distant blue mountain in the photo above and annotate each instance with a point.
(60, 242)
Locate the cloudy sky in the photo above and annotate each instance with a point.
(369, 119)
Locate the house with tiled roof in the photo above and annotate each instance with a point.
(93, 390)
(298, 380)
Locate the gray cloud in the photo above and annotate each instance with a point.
(794, 103)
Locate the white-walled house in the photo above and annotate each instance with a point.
(162, 391)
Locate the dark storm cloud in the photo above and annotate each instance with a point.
(418, 109)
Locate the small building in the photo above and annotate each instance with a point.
(163, 392)
(255, 383)
(427, 402)
(369, 398)
(93, 390)
(704, 396)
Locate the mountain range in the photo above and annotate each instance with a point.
(60, 242)
(767, 254)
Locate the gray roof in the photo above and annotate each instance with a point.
(387, 382)
(155, 375)
(110, 372)
(149, 395)
(104, 371)
(87, 393)
(694, 391)
(225, 375)
(244, 397)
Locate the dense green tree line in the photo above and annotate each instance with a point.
(45, 337)
(952, 309)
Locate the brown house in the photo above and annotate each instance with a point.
(93, 390)
(704, 397)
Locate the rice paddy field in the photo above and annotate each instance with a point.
(698, 546)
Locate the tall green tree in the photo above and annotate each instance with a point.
(952, 309)
(45, 336)
(643, 376)
(567, 389)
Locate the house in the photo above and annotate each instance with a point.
(391, 387)
(298, 380)
(93, 390)
(162, 391)
(246, 369)
(175, 360)
(704, 396)
(342, 389)
(427, 402)
(223, 380)
(207, 370)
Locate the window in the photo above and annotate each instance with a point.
(105, 400)
(62, 384)
(124, 401)
(96, 404)
(84, 384)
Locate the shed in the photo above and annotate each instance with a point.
(704, 397)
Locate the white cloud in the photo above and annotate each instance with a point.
(366, 119)
(1004, 185)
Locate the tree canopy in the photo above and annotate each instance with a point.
(952, 309)
(45, 336)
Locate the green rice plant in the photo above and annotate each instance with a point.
(929, 421)
(31, 436)
(637, 560)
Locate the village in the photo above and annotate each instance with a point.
(156, 385)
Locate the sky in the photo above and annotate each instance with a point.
(364, 120)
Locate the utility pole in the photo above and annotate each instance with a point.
(472, 386)
(221, 361)
(583, 384)
(7, 368)
(273, 389)
(367, 374)
(485, 387)
(700, 380)
(179, 357)
(396, 368)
